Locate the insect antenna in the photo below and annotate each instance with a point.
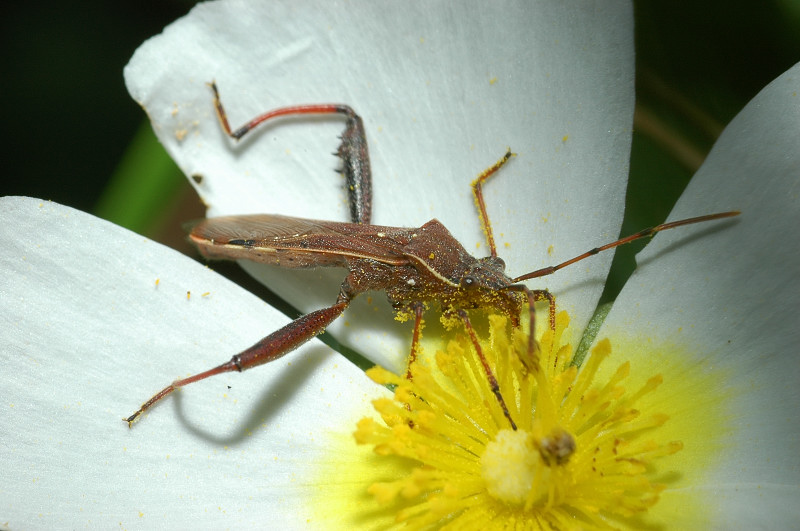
(646, 233)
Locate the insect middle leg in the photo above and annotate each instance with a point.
(353, 150)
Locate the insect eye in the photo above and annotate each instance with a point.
(468, 281)
(494, 263)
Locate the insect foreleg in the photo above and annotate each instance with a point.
(534, 296)
(495, 387)
(477, 191)
(419, 308)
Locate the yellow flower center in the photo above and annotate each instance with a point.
(509, 466)
(580, 456)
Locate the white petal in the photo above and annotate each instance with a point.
(88, 335)
(444, 89)
(729, 292)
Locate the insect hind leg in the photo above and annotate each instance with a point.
(353, 150)
(270, 348)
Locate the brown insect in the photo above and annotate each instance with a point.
(416, 267)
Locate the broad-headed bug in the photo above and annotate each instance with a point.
(416, 267)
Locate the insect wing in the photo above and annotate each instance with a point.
(297, 242)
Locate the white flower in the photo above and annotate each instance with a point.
(97, 319)
(443, 91)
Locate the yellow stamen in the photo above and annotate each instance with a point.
(580, 457)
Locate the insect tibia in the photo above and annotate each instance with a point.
(477, 191)
(493, 385)
(352, 150)
(356, 167)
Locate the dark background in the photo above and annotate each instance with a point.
(68, 123)
(67, 118)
